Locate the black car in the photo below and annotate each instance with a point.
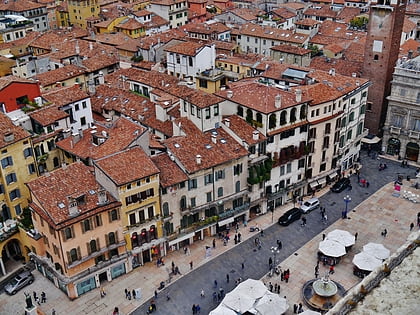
(290, 216)
(340, 185)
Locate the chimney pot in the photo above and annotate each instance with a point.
(229, 94)
(214, 138)
(198, 159)
(277, 101)
(255, 135)
(298, 95)
(227, 122)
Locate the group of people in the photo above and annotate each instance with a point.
(130, 294)
(382, 166)
(196, 309)
(43, 298)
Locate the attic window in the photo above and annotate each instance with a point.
(208, 146)
(176, 145)
(81, 199)
(223, 140)
(92, 192)
(61, 205)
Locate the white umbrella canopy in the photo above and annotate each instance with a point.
(253, 288)
(332, 248)
(366, 262)
(377, 250)
(222, 310)
(238, 302)
(343, 237)
(271, 304)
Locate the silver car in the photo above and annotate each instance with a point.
(310, 205)
(18, 282)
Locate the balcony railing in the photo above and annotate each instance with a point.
(414, 134)
(395, 130)
(234, 211)
(7, 232)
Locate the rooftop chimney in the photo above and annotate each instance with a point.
(229, 94)
(277, 101)
(298, 95)
(90, 45)
(214, 138)
(354, 74)
(9, 136)
(76, 137)
(73, 209)
(255, 135)
(102, 198)
(198, 159)
(332, 72)
(227, 122)
(410, 54)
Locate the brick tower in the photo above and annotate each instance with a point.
(386, 19)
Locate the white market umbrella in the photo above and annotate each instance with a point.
(332, 248)
(366, 262)
(253, 288)
(343, 237)
(377, 250)
(222, 310)
(238, 302)
(271, 304)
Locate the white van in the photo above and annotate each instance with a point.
(309, 205)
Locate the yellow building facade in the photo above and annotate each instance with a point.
(80, 10)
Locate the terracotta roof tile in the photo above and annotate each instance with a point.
(48, 115)
(410, 45)
(408, 25)
(59, 75)
(20, 5)
(73, 181)
(118, 137)
(186, 148)
(170, 172)
(7, 127)
(244, 130)
(321, 11)
(188, 48)
(291, 49)
(127, 166)
(6, 80)
(166, 2)
(65, 95)
(307, 22)
(163, 38)
(100, 61)
(130, 24)
(273, 33)
(341, 66)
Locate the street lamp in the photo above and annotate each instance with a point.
(347, 200)
(275, 251)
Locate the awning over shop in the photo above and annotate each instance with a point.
(333, 175)
(314, 184)
(371, 139)
(226, 221)
(322, 181)
(181, 238)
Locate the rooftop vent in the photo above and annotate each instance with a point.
(198, 159)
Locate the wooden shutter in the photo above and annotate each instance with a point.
(110, 216)
(88, 248)
(79, 253)
(82, 225)
(106, 240)
(72, 232)
(116, 237)
(63, 234)
(100, 219)
(68, 257)
(98, 247)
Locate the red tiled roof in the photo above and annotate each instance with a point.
(65, 95)
(48, 115)
(75, 180)
(127, 166)
(120, 135)
(59, 75)
(7, 127)
(341, 66)
(272, 33)
(9, 79)
(291, 49)
(244, 130)
(170, 172)
(20, 6)
(188, 48)
(186, 148)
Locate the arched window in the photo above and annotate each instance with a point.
(92, 245)
(152, 232)
(73, 255)
(220, 192)
(272, 121)
(249, 115)
(68, 233)
(165, 208)
(302, 112)
(293, 115)
(183, 202)
(283, 119)
(376, 57)
(114, 215)
(240, 111)
(237, 186)
(56, 162)
(259, 118)
(111, 238)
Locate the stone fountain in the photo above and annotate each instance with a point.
(322, 294)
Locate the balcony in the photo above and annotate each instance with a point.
(414, 134)
(234, 211)
(143, 224)
(277, 194)
(395, 130)
(8, 229)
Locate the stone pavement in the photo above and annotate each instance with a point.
(368, 219)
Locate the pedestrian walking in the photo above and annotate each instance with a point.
(191, 265)
(134, 294)
(325, 219)
(126, 293)
(295, 308)
(303, 221)
(316, 274)
(215, 283)
(270, 262)
(411, 226)
(384, 233)
(202, 293)
(355, 236)
(278, 289)
(367, 184)
(323, 236)
(239, 237)
(331, 270)
(214, 296)
(103, 293)
(243, 266)
(185, 250)
(286, 276)
(129, 295)
(227, 278)
(116, 311)
(194, 309)
(156, 294)
(43, 297)
(53, 312)
(300, 309)
(197, 309)
(214, 243)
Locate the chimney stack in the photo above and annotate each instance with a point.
(332, 72)
(298, 95)
(73, 209)
(255, 135)
(227, 122)
(354, 74)
(214, 138)
(198, 159)
(277, 101)
(229, 94)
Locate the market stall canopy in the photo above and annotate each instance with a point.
(343, 237)
(239, 303)
(222, 310)
(366, 262)
(377, 250)
(271, 304)
(332, 248)
(253, 288)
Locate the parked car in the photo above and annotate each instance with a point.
(18, 282)
(310, 205)
(340, 185)
(290, 216)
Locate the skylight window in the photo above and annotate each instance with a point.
(61, 205)
(92, 192)
(208, 146)
(176, 145)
